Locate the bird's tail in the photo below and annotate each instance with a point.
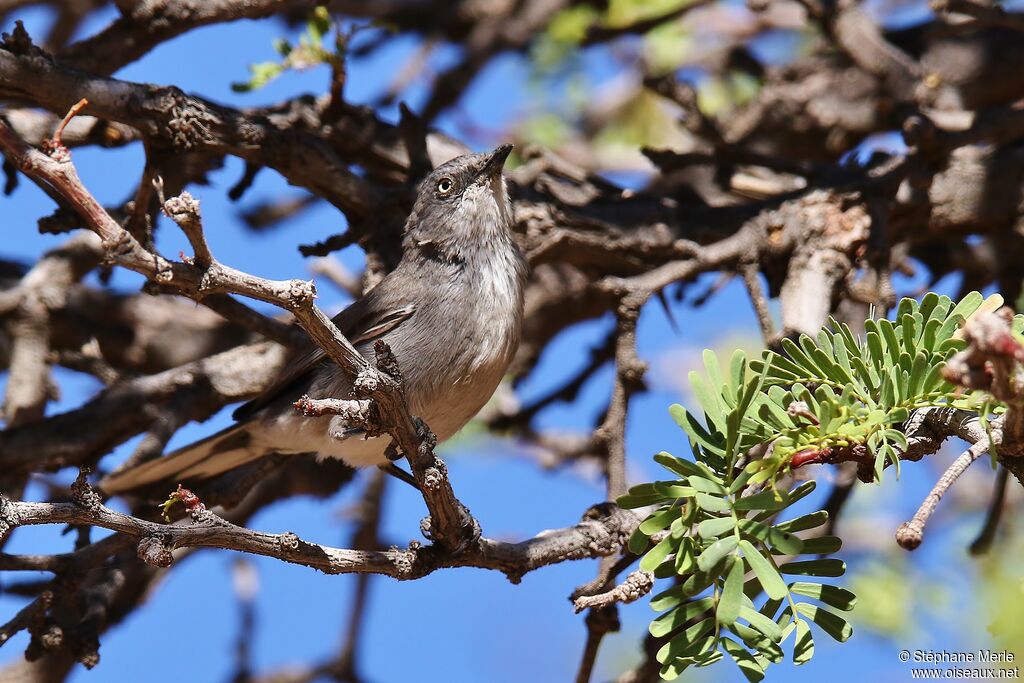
(213, 455)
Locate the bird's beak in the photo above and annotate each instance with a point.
(495, 162)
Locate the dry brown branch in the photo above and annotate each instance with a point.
(602, 532)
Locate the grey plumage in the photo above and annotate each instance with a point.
(451, 312)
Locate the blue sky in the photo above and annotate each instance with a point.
(456, 625)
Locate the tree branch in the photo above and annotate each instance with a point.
(603, 531)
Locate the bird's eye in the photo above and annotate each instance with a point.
(445, 185)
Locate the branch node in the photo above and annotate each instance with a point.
(9, 517)
(154, 551)
(82, 494)
(301, 293)
(289, 541)
(184, 210)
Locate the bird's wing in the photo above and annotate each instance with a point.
(364, 321)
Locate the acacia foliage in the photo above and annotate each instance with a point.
(713, 529)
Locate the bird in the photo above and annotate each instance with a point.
(451, 312)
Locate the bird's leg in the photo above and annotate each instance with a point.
(398, 473)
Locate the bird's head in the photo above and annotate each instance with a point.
(462, 205)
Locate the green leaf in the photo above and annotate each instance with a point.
(783, 541)
(732, 595)
(631, 501)
(715, 553)
(801, 491)
(260, 74)
(875, 351)
(960, 313)
(684, 468)
(807, 367)
(762, 623)
(656, 555)
(810, 521)
(319, 24)
(829, 622)
(686, 556)
(696, 582)
(686, 643)
(737, 371)
(828, 567)
(672, 671)
(767, 575)
(715, 527)
(711, 503)
(837, 597)
(705, 484)
(673, 490)
(739, 482)
(667, 599)
(771, 499)
(675, 618)
(821, 545)
(803, 648)
(709, 401)
(749, 667)
(638, 542)
(659, 520)
(282, 47)
(786, 542)
(756, 640)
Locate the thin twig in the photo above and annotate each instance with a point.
(752, 279)
(910, 534)
(635, 586)
(72, 113)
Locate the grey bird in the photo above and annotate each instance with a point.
(451, 312)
